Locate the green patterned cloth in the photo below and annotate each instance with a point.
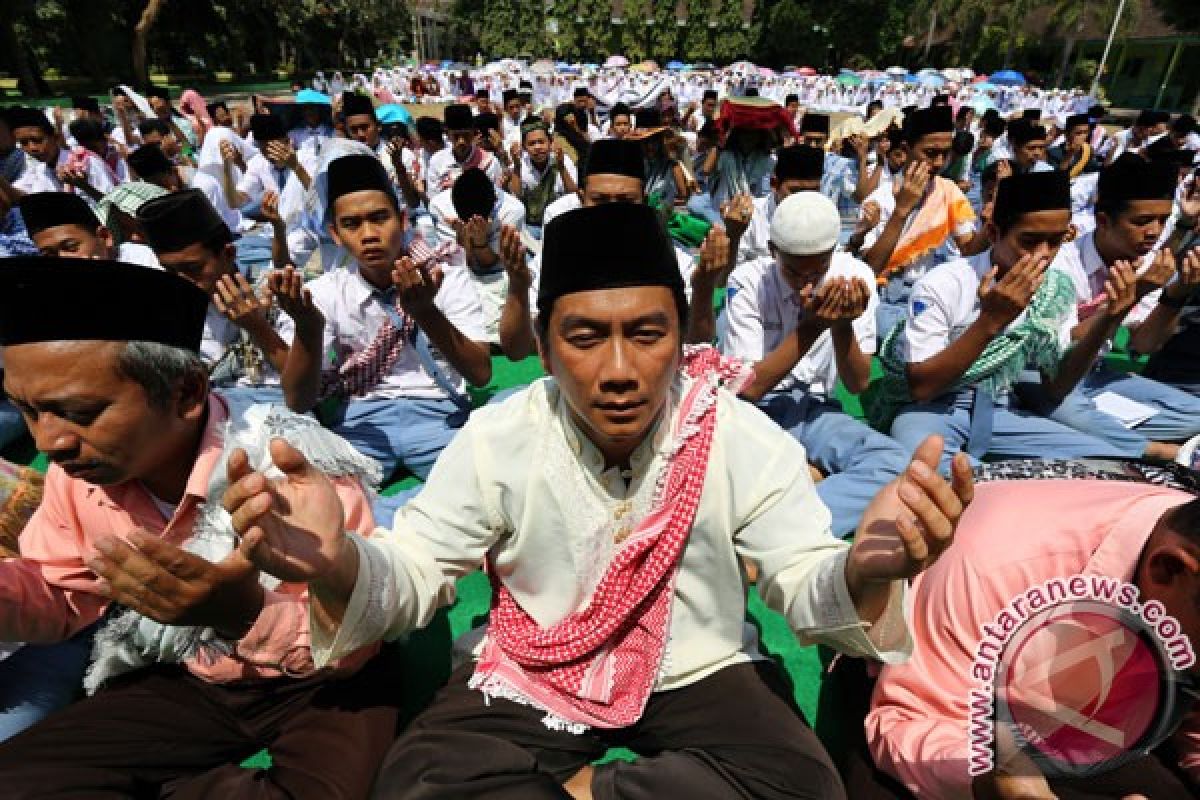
(1031, 344)
(128, 197)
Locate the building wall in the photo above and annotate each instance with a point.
(1137, 71)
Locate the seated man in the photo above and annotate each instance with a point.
(50, 167)
(203, 661)
(463, 153)
(805, 316)
(244, 354)
(924, 219)
(471, 214)
(797, 169)
(1120, 542)
(543, 173)
(611, 502)
(1028, 142)
(403, 332)
(63, 225)
(1134, 203)
(976, 325)
(1169, 332)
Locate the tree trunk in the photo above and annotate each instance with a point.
(141, 34)
(932, 28)
(1065, 63)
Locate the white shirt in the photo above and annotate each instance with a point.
(211, 187)
(945, 302)
(885, 198)
(261, 177)
(763, 311)
(531, 176)
(523, 489)
(40, 177)
(444, 170)
(140, 254)
(568, 202)
(756, 241)
(354, 315)
(1081, 261)
(507, 211)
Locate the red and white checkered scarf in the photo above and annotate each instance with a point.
(598, 666)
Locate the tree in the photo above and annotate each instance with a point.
(1183, 14)
(141, 33)
(788, 36)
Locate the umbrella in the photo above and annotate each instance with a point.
(313, 97)
(676, 65)
(849, 79)
(704, 65)
(807, 71)
(981, 103)
(1008, 77)
(561, 65)
(649, 66)
(983, 86)
(766, 72)
(392, 112)
(931, 79)
(543, 68)
(617, 61)
(741, 66)
(900, 71)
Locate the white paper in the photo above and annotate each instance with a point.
(1129, 413)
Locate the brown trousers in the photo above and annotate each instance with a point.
(735, 734)
(162, 732)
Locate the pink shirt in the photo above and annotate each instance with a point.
(49, 593)
(1016, 534)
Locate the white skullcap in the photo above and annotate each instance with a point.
(806, 223)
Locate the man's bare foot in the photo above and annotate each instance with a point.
(580, 785)
(816, 474)
(1162, 451)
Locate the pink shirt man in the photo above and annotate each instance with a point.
(1016, 534)
(49, 593)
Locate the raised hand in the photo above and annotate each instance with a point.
(281, 153)
(1003, 301)
(416, 286)
(736, 215)
(270, 208)
(175, 587)
(229, 153)
(477, 232)
(1189, 270)
(514, 152)
(716, 259)
(237, 301)
(1162, 269)
(868, 217)
(1120, 289)
(916, 180)
(556, 151)
(286, 286)
(292, 528)
(512, 256)
(821, 305)
(911, 521)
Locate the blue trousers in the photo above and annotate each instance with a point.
(12, 426)
(858, 460)
(402, 431)
(1016, 433)
(254, 254)
(37, 680)
(1178, 417)
(701, 205)
(893, 305)
(268, 395)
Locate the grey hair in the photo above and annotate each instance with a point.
(159, 368)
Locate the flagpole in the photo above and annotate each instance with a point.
(1112, 32)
